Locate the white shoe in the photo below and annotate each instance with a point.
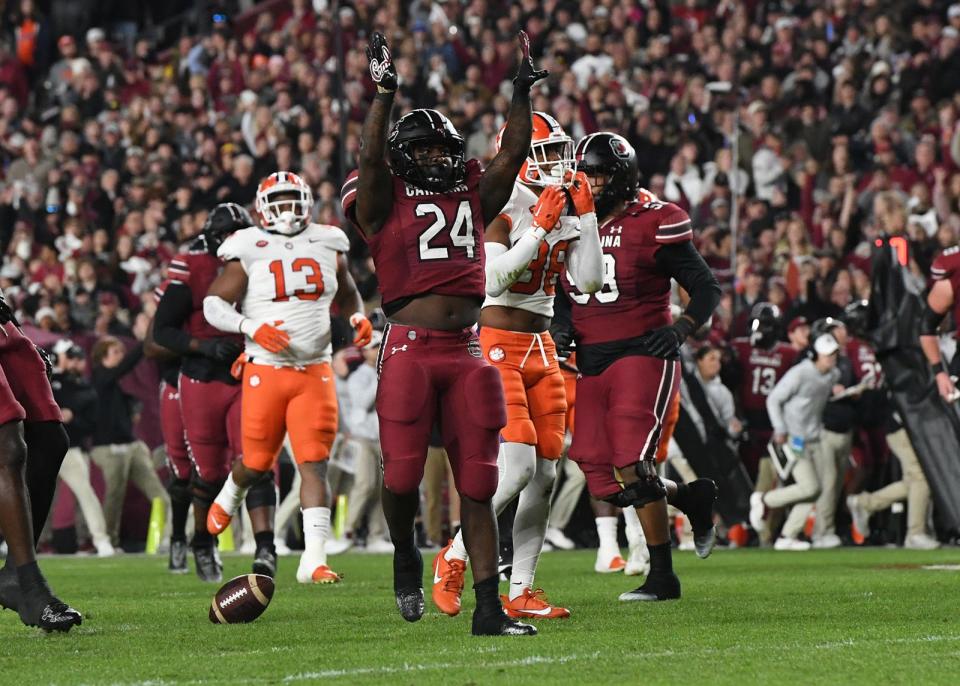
(546, 547)
(336, 546)
(3, 548)
(609, 564)
(921, 542)
(104, 548)
(248, 547)
(638, 564)
(859, 514)
(558, 539)
(282, 547)
(827, 541)
(379, 546)
(791, 544)
(757, 510)
(308, 572)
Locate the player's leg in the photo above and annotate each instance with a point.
(143, 475)
(805, 489)
(472, 414)
(406, 407)
(75, 473)
(312, 424)
(516, 465)
(548, 410)
(918, 492)
(47, 445)
(178, 461)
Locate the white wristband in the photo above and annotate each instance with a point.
(356, 318)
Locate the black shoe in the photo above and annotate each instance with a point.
(42, 609)
(659, 587)
(408, 583)
(703, 492)
(265, 561)
(209, 567)
(9, 589)
(410, 603)
(500, 625)
(178, 558)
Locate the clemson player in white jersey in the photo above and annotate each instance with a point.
(284, 277)
(526, 248)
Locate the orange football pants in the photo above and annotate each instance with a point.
(669, 424)
(280, 400)
(532, 386)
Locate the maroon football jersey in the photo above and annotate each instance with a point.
(947, 266)
(761, 369)
(197, 269)
(635, 297)
(431, 242)
(864, 362)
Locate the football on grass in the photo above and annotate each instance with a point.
(242, 599)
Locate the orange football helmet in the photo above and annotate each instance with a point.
(547, 137)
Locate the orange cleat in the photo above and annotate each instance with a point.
(218, 519)
(448, 582)
(531, 605)
(615, 564)
(325, 575)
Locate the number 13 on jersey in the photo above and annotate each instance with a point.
(296, 272)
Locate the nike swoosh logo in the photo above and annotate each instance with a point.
(324, 378)
(436, 568)
(545, 611)
(218, 526)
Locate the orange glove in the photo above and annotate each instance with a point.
(363, 327)
(269, 337)
(547, 211)
(582, 195)
(236, 369)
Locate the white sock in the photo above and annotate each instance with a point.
(516, 463)
(530, 526)
(635, 537)
(607, 531)
(230, 496)
(316, 530)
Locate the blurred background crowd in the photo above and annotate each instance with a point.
(794, 132)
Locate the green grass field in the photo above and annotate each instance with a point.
(749, 616)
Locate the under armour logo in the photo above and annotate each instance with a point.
(616, 229)
(398, 348)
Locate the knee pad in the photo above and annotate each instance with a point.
(550, 436)
(519, 429)
(648, 489)
(204, 492)
(263, 493)
(402, 476)
(179, 490)
(477, 479)
(487, 407)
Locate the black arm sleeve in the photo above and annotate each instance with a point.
(172, 311)
(562, 313)
(930, 321)
(682, 262)
(103, 376)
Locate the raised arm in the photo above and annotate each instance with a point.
(348, 299)
(374, 199)
(496, 185)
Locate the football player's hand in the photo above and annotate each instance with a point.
(47, 365)
(270, 338)
(527, 74)
(222, 349)
(363, 328)
(546, 213)
(382, 71)
(582, 195)
(236, 369)
(946, 388)
(779, 439)
(665, 342)
(563, 340)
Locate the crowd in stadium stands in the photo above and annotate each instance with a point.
(114, 145)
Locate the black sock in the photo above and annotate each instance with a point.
(407, 565)
(488, 597)
(180, 499)
(202, 538)
(30, 577)
(681, 500)
(661, 560)
(264, 539)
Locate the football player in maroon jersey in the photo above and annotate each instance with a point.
(423, 216)
(628, 351)
(209, 395)
(33, 443)
(760, 361)
(945, 271)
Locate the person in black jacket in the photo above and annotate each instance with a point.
(118, 453)
(78, 405)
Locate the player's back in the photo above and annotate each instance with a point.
(291, 279)
(635, 297)
(196, 268)
(430, 243)
(761, 369)
(534, 290)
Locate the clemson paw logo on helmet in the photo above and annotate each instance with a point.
(379, 67)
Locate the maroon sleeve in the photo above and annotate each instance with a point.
(673, 225)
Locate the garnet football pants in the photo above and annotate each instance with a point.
(532, 385)
(211, 422)
(25, 392)
(620, 417)
(171, 426)
(428, 375)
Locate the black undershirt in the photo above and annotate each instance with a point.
(173, 311)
